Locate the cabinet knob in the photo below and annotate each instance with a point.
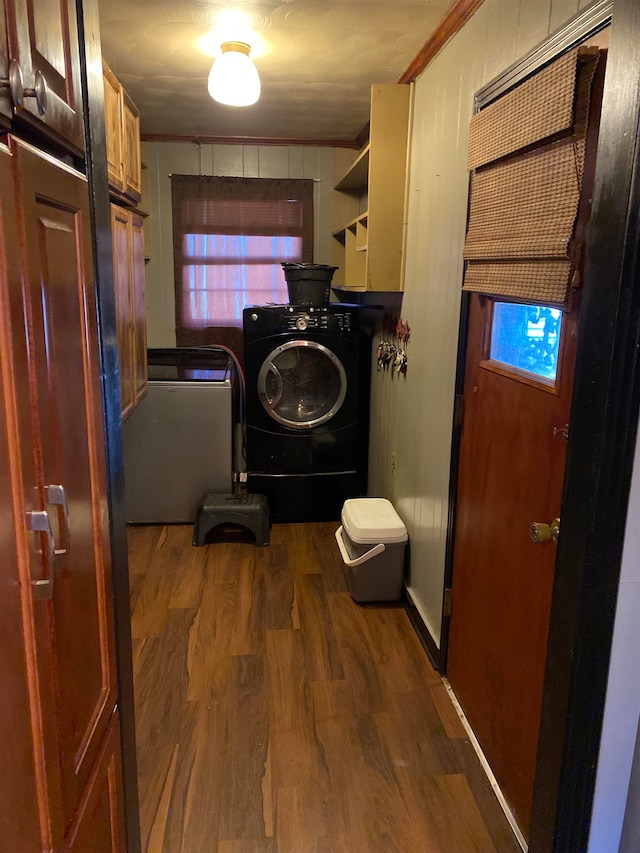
(15, 83)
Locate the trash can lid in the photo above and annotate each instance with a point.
(369, 520)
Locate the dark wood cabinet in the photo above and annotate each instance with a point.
(43, 47)
(60, 763)
(64, 672)
(19, 817)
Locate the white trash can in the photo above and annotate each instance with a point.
(372, 540)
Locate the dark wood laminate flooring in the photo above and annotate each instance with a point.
(276, 715)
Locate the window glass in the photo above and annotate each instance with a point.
(526, 337)
(223, 273)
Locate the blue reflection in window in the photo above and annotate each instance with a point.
(526, 337)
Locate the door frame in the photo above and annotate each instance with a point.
(100, 211)
(600, 452)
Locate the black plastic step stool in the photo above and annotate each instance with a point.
(250, 511)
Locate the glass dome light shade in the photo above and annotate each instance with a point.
(234, 79)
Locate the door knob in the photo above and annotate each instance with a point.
(541, 533)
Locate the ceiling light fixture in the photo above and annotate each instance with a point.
(234, 79)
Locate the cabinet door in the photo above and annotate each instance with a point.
(76, 658)
(138, 306)
(43, 40)
(113, 128)
(5, 98)
(131, 159)
(99, 825)
(19, 818)
(124, 317)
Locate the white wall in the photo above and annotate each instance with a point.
(622, 710)
(413, 418)
(250, 161)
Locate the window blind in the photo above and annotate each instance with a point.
(527, 153)
(230, 236)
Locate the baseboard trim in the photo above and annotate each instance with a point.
(487, 769)
(424, 634)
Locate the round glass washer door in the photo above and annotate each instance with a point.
(302, 384)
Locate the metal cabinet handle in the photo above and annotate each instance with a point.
(38, 522)
(57, 497)
(15, 83)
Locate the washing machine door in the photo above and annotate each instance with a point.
(302, 384)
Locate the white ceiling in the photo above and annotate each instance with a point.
(316, 58)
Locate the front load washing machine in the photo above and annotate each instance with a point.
(307, 383)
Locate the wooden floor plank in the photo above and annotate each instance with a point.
(165, 563)
(206, 783)
(455, 815)
(356, 652)
(189, 582)
(447, 712)
(291, 822)
(250, 627)
(141, 541)
(289, 696)
(157, 834)
(323, 662)
(279, 587)
(328, 556)
(276, 715)
(161, 681)
(212, 639)
(242, 814)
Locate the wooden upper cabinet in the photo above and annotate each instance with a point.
(122, 128)
(131, 166)
(43, 42)
(129, 283)
(113, 127)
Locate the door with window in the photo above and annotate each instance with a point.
(518, 381)
(532, 152)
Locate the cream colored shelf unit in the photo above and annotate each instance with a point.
(369, 198)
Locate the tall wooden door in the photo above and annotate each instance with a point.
(19, 817)
(59, 400)
(511, 471)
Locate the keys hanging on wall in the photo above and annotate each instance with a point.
(391, 354)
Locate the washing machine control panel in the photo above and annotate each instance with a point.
(316, 318)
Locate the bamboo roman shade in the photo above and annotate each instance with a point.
(527, 150)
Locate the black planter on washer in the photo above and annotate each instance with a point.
(307, 374)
